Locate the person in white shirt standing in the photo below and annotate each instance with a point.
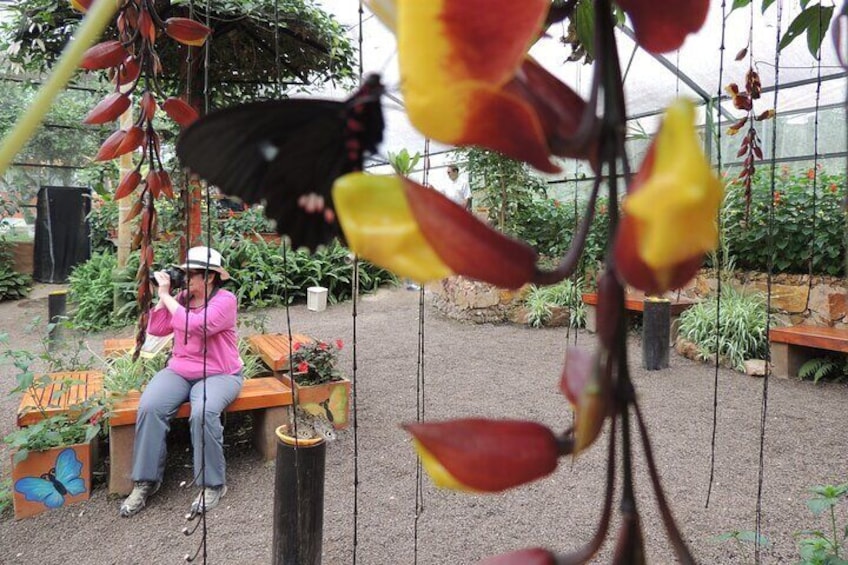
(457, 189)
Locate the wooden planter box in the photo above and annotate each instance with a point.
(329, 399)
(51, 479)
(271, 238)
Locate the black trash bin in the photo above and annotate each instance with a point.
(62, 234)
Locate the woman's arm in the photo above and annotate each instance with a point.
(220, 315)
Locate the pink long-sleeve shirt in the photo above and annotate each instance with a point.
(222, 357)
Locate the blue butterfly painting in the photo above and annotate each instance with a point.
(57, 483)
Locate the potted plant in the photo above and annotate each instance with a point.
(320, 386)
(53, 457)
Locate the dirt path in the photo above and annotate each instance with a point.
(486, 370)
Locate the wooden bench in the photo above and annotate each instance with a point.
(118, 347)
(274, 349)
(65, 391)
(793, 346)
(267, 398)
(634, 304)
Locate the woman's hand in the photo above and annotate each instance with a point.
(163, 280)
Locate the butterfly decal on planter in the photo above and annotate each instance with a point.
(287, 154)
(52, 487)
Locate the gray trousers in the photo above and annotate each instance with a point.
(157, 407)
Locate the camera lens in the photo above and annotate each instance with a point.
(177, 277)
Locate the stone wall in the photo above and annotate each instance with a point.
(793, 299)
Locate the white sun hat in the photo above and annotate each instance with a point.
(203, 257)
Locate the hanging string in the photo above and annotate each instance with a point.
(355, 293)
(419, 382)
(769, 276)
(815, 168)
(719, 258)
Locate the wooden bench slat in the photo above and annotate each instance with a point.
(274, 348)
(255, 394)
(636, 304)
(832, 339)
(91, 385)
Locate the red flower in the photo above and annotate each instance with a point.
(663, 26)
(303, 367)
(296, 346)
(340, 343)
(833, 187)
(556, 204)
(811, 174)
(322, 346)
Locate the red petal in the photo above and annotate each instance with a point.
(108, 109)
(103, 55)
(148, 105)
(663, 26)
(128, 184)
(490, 455)
(187, 31)
(146, 26)
(129, 71)
(165, 184)
(154, 183)
(109, 149)
(560, 110)
(578, 368)
(532, 556)
(131, 142)
(467, 245)
(180, 111)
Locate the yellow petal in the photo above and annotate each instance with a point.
(386, 12)
(438, 474)
(379, 226)
(676, 208)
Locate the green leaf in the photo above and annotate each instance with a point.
(766, 4)
(584, 24)
(816, 31)
(739, 4)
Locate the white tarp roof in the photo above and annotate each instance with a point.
(649, 86)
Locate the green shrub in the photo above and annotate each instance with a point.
(13, 285)
(260, 277)
(796, 235)
(742, 329)
(831, 367)
(567, 294)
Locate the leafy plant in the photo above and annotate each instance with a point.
(741, 329)
(13, 285)
(402, 162)
(742, 537)
(799, 237)
(315, 363)
(818, 547)
(82, 422)
(830, 367)
(5, 495)
(253, 364)
(567, 294)
(124, 374)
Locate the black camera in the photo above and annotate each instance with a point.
(177, 277)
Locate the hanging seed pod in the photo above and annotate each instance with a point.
(179, 111)
(103, 55)
(187, 31)
(108, 109)
(109, 149)
(128, 184)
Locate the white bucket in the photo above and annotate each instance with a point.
(316, 298)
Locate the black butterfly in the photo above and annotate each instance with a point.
(287, 153)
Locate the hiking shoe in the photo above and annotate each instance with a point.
(138, 497)
(212, 495)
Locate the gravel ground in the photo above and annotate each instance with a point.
(485, 370)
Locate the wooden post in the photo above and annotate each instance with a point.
(656, 333)
(57, 304)
(298, 500)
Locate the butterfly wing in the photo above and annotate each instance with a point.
(68, 469)
(276, 152)
(39, 490)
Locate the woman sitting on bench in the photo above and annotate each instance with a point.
(204, 301)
